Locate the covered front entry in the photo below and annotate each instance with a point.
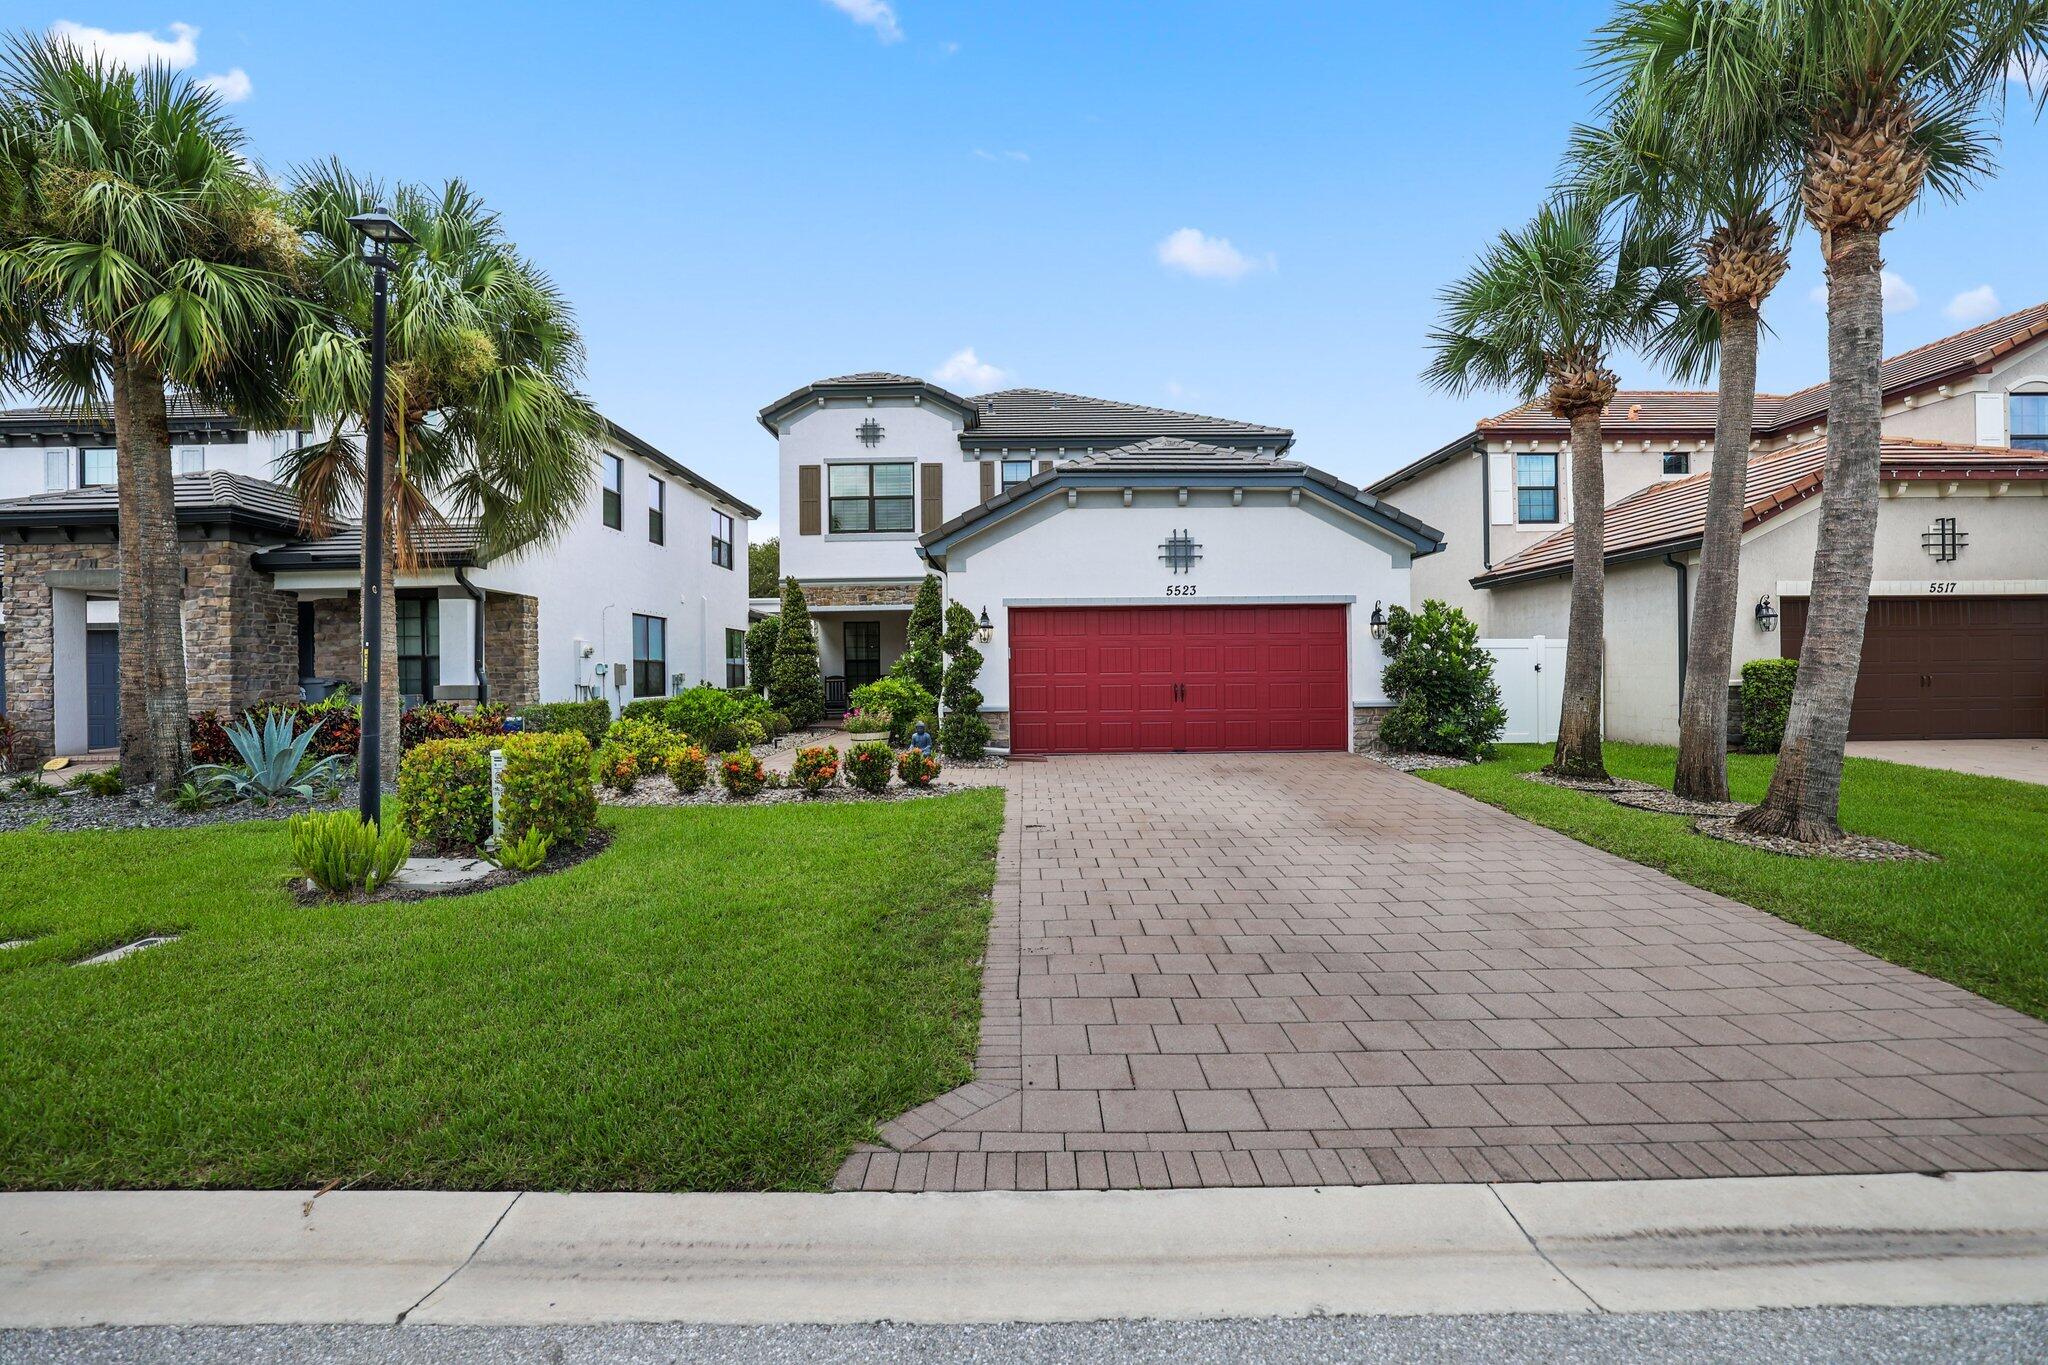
(1175, 678)
(1946, 667)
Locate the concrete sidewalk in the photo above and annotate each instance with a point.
(80, 1259)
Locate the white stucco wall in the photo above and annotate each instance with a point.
(22, 467)
(1101, 550)
(824, 436)
(592, 581)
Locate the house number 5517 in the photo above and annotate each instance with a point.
(1180, 590)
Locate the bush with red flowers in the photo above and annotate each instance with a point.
(916, 768)
(868, 765)
(742, 775)
(815, 768)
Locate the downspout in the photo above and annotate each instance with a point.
(1485, 506)
(476, 595)
(1684, 644)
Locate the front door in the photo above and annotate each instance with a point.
(863, 641)
(103, 689)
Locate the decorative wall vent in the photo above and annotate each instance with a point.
(870, 433)
(1179, 552)
(1943, 541)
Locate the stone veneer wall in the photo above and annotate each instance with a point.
(860, 594)
(1365, 723)
(512, 648)
(998, 728)
(240, 632)
(338, 640)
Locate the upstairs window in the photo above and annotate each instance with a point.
(96, 467)
(650, 656)
(721, 540)
(1015, 472)
(614, 492)
(871, 497)
(2029, 426)
(1677, 462)
(1536, 488)
(657, 509)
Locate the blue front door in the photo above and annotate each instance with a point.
(103, 689)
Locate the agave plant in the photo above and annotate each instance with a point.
(273, 764)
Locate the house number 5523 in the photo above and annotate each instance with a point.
(1180, 590)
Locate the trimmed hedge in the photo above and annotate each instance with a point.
(586, 718)
(1766, 698)
(444, 789)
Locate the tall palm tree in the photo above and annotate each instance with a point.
(1543, 311)
(1884, 98)
(141, 252)
(1687, 139)
(484, 422)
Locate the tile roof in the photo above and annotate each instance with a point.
(214, 491)
(1962, 353)
(1670, 516)
(1045, 419)
(179, 406)
(1177, 454)
(451, 543)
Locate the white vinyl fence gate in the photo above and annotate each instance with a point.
(1531, 677)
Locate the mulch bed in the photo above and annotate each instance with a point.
(559, 860)
(1408, 763)
(659, 791)
(74, 811)
(1716, 820)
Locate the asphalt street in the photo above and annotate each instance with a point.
(1785, 1337)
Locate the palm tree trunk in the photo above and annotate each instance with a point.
(154, 707)
(1703, 707)
(1578, 752)
(1806, 789)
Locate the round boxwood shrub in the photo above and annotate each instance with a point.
(916, 769)
(1441, 682)
(742, 775)
(868, 765)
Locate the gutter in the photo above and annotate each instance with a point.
(1684, 643)
(476, 595)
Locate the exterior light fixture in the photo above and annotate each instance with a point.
(379, 230)
(984, 629)
(1379, 620)
(1766, 614)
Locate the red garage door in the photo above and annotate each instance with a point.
(1165, 679)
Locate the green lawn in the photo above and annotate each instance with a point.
(1979, 918)
(723, 999)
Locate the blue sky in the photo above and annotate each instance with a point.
(1240, 209)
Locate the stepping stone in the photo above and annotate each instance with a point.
(116, 954)
(15, 943)
(441, 874)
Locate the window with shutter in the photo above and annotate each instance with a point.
(932, 487)
(988, 479)
(810, 512)
(56, 470)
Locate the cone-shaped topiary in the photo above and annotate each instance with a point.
(761, 638)
(962, 731)
(923, 659)
(795, 686)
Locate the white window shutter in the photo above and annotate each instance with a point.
(1990, 419)
(1501, 469)
(56, 470)
(191, 459)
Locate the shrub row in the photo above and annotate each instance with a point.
(444, 790)
(585, 718)
(1766, 699)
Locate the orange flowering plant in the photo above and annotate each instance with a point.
(815, 768)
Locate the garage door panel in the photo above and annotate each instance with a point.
(1180, 678)
(1946, 667)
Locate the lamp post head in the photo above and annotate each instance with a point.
(380, 229)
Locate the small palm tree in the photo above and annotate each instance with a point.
(1544, 310)
(1883, 98)
(138, 251)
(1686, 140)
(484, 421)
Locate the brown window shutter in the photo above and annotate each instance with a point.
(988, 480)
(1045, 466)
(933, 485)
(809, 518)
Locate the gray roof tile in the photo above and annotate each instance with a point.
(1043, 418)
(211, 491)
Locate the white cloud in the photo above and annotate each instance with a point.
(1193, 252)
(965, 370)
(1973, 305)
(1178, 391)
(878, 15)
(1898, 295)
(231, 86)
(133, 50)
(986, 155)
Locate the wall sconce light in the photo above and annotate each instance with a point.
(1766, 614)
(1379, 620)
(984, 629)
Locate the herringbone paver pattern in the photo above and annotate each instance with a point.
(1308, 969)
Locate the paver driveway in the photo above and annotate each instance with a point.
(1303, 969)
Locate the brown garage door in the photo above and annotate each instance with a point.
(1946, 667)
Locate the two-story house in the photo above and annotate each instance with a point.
(645, 592)
(1956, 643)
(1146, 579)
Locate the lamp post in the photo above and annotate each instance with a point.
(379, 230)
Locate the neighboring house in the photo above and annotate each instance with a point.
(646, 591)
(1960, 607)
(1150, 580)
